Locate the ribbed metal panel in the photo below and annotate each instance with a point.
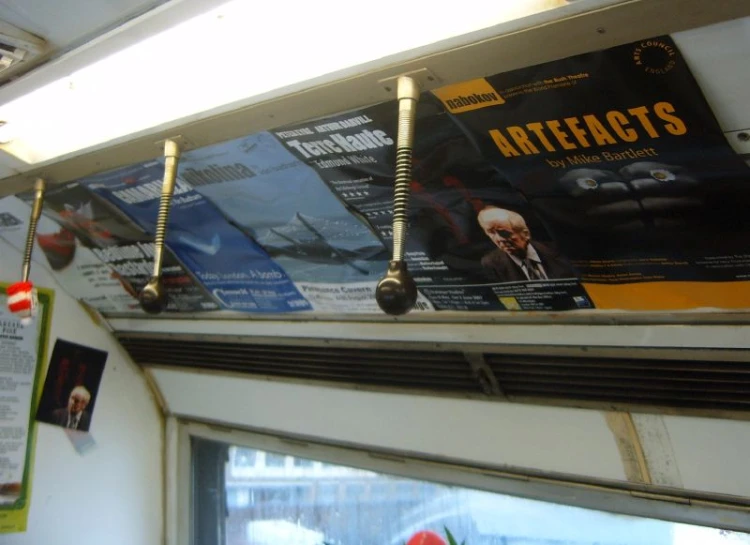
(679, 384)
(443, 371)
(688, 384)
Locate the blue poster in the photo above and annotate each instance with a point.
(331, 253)
(237, 273)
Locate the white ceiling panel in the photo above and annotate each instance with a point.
(484, 52)
(718, 57)
(67, 23)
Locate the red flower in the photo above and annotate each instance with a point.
(426, 538)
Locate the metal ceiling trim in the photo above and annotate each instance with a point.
(634, 352)
(618, 406)
(611, 379)
(477, 395)
(724, 339)
(484, 374)
(585, 317)
(583, 31)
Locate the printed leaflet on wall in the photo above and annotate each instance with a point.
(22, 356)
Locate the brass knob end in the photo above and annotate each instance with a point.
(153, 296)
(396, 293)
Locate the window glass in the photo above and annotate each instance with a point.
(244, 457)
(312, 503)
(275, 460)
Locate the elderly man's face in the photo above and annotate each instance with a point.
(497, 226)
(77, 402)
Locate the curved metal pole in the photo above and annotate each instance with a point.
(153, 296)
(22, 299)
(36, 213)
(396, 292)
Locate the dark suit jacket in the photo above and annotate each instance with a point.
(499, 267)
(60, 417)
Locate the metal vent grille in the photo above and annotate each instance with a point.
(672, 383)
(440, 371)
(17, 48)
(607, 381)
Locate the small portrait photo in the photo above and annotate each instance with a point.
(71, 387)
(518, 255)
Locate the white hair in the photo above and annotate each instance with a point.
(514, 218)
(81, 390)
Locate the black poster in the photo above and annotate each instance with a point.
(617, 152)
(72, 385)
(455, 263)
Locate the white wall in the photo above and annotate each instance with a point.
(716, 55)
(570, 441)
(699, 454)
(113, 493)
(711, 454)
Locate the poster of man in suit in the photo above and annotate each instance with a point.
(74, 415)
(518, 257)
(70, 389)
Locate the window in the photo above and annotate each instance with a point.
(244, 457)
(275, 460)
(307, 502)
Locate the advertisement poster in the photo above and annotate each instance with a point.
(71, 387)
(601, 181)
(237, 273)
(619, 155)
(328, 249)
(22, 356)
(451, 257)
(79, 271)
(122, 245)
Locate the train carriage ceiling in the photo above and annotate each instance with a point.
(605, 171)
(57, 28)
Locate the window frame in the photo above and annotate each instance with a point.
(654, 502)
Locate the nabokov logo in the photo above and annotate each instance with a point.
(460, 101)
(469, 95)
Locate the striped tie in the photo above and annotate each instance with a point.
(531, 269)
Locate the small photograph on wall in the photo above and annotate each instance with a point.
(71, 387)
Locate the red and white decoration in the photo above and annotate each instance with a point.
(22, 301)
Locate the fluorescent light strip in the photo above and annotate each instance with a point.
(239, 50)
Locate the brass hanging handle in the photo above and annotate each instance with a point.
(396, 292)
(153, 296)
(21, 296)
(36, 213)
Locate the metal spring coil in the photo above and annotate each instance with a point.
(401, 201)
(161, 221)
(29, 247)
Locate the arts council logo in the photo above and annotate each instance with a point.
(655, 56)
